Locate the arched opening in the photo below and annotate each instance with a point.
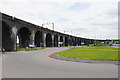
(69, 42)
(18, 41)
(48, 40)
(72, 41)
(61, 41)
(66, 41)
(85, 41)
(75, 41)
(7, 42)
(55, 41)
(81, 40)
(78, 42)
(24, 37)
(38, 39)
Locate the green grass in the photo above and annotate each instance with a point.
(116, 45)
(58, 47)
(29, 49)
(91, 53)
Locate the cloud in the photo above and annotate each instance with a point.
(89, 19)
(79, 6)
(113, 13)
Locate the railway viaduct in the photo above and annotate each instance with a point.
(31, 34)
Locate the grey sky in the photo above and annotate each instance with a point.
(88, 18)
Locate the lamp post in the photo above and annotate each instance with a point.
(48, 24)
(52, 28)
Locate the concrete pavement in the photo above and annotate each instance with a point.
(37, 64)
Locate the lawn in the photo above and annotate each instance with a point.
(91, 53)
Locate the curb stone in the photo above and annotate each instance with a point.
(85, 61)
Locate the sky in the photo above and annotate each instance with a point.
(94, 19)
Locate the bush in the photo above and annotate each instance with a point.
(90, 45)
(110, 44)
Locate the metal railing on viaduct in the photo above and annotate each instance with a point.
(31, 34)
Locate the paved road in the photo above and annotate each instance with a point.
(37, 64)
(115, 46)
(0, 65)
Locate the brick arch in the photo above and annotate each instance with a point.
(48, 40)
(24, 37)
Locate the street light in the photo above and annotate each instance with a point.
(52, 27)
(68, 31)
(48, 24)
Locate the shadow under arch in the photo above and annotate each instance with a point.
(48, 40)
(24, 37)
(66, 41)
(61, 40)
(38, 39)
(72, 41)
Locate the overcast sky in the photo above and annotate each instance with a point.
(96, 19)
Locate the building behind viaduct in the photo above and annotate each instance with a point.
(31, 34)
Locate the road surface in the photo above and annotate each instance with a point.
(115, 46)
(37, 64)
(0, 65)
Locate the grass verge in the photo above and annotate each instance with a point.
(91, 53)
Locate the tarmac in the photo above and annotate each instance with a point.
(38, 64)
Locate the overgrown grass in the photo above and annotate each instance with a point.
(91, 53)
